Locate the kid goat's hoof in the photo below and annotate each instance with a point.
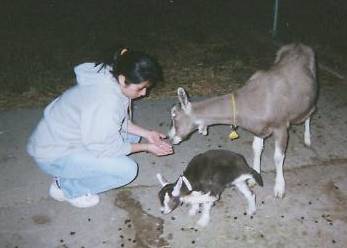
(203, 222)
(251, 212)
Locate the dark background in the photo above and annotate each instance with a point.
(207, 46)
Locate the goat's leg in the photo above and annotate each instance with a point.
(257, 150)
(205, 216)
(307, 136)
(242, 186)
(281, 139)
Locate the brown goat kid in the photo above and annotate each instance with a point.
(268, 104)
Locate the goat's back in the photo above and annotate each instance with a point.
(286, 93)
(213, 170)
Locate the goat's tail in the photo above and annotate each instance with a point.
(257, 177)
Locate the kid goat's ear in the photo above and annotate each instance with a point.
(176, 190)
(162, 180)
(187, 183)
(182, 97)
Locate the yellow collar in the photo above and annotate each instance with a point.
(233, 134)
(234, 108)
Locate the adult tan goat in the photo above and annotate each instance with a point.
(268, 104)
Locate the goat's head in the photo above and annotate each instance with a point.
(170, 193)
(183, 120)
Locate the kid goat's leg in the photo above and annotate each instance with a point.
(281, 139)
(205, 216)
(242, 186)
(194, 209)
(195, 205)
(307, 137)
(257, 150)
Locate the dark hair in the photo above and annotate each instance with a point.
(136, 67)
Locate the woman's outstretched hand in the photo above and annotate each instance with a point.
(155, 137)
(161, 148)
(156, 143)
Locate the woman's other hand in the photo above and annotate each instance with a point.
(161, 148)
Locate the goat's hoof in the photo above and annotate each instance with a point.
(307, 142)
(251, 212)
(308, 145)
(279, 194)
(192, 212)
(279, 189)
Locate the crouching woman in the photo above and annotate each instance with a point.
(85, 135)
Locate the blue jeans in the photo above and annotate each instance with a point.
(82, 173)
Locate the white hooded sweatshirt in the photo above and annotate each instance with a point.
(92, 116)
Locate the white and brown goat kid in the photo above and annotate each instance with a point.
(267, 104)
(204, 180)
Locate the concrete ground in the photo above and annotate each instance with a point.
(312, 214)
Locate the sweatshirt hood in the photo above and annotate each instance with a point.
(89, 74)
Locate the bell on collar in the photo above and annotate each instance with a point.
(233, 134)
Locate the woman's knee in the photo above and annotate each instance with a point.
(132, 170)
(126, 169)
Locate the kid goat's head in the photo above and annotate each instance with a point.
(170, 193)
(183, 119)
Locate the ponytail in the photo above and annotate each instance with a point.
(117, 57)
(107, 56)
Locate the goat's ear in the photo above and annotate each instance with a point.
(282, 52)
(162, 180)
(173, 111)
(183, 98)
(176, 190)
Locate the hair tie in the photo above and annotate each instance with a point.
(123, 51)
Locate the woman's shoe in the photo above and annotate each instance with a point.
(85, 201)
(56, 192)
